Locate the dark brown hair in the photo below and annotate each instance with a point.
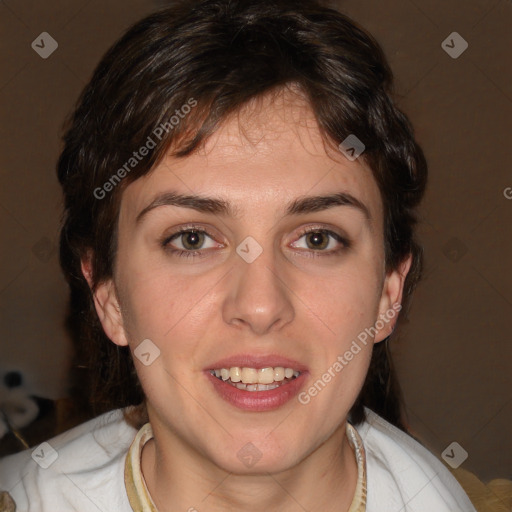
(221, 54)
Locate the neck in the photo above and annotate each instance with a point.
(178, 478)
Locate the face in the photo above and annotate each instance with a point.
(256, 271)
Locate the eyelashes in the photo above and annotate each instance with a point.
(326, 234)
(315, 238)
(193, 233)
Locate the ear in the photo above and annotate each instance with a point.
(391, 298)
(106, 303)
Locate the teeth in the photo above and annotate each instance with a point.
(279, 373)
(266, 376)
(252, 376)
(235, 374)
(256, 387)
(249, 375)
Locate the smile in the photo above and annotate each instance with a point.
(252, 379)
(256, 390)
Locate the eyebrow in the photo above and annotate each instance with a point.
(299, 206)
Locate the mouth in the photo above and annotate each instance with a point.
(253, 383)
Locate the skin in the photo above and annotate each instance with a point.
(289, 302)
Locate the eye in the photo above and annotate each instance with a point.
(322, 240)
(188, 241)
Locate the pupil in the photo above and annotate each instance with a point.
(317, 240)
(192, 239)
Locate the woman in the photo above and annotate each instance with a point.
(240, 197)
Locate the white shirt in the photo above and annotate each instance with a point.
(83, 470)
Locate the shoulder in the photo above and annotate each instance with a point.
(81, 469)
(403, 475)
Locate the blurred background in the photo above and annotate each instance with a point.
(453, 78)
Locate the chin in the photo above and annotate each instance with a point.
(255, 467)
(257, 457)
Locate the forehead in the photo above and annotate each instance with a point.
(263, 156)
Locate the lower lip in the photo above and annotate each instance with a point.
(257, 401)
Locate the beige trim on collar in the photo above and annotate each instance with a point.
(138, 494)
(359, 501)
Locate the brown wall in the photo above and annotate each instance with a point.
(454, 355)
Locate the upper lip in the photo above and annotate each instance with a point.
(257, 361)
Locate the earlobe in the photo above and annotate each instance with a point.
(106, 304)
(391, 299)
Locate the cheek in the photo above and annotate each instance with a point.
(346, 300)
(166, 308)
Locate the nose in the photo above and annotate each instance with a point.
(259, 297)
